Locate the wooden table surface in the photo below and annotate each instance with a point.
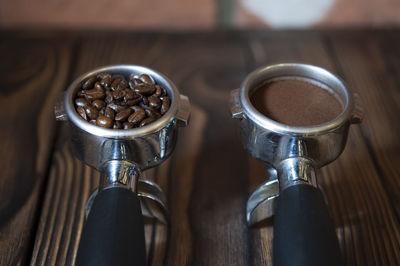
(43, 188)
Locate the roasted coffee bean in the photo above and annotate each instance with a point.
(147, 121)
(104, 121)
(123, 84)
(91, 111)
(118, 94)
(137, 116)
(105, 79)
(102, 110)
(117, 108)
(127, 125)
(98, 86)
(81, 102)
(93, 121)
(163, 91)
(131, 85)
(131, 102)
(117, 125)
(136, 108)
(154, 102)
(150, 112)
(123, 115)
(109, 98)
(145, 101)
(81, 112)
(88, 84)
(98, 104)
(106, 82)
(166, 102)
(129, 95)
(146, 79)
(145, 89)
(80, 94)
(137, 81)
(109, 113)
(115, 83)
(94, 94)
(158, 91)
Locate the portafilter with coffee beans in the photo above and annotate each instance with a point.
(121, 129)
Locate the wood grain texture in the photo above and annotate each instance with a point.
(209, 177)
(379, 93)
(33, 71)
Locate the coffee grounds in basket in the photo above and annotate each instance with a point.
(296, 103)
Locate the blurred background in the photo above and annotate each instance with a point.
(197, 15)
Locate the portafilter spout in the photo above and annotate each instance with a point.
(113, 232)
(303, 231)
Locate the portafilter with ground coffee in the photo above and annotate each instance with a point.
(295, 118)
(113, 232)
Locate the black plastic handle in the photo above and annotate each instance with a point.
(304, 234)
(113, 233)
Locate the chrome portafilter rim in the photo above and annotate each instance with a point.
(157, 125)
(307, 73)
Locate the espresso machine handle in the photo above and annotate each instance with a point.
(113, 233)
(304, 234)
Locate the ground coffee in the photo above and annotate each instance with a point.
(296, 103)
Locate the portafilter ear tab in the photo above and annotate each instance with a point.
(292, 154)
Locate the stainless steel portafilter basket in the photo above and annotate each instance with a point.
(303, 231)
(113, 233)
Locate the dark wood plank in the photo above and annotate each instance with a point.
(364, 65)
(63, 210)
(371, 64)
(33, 71)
